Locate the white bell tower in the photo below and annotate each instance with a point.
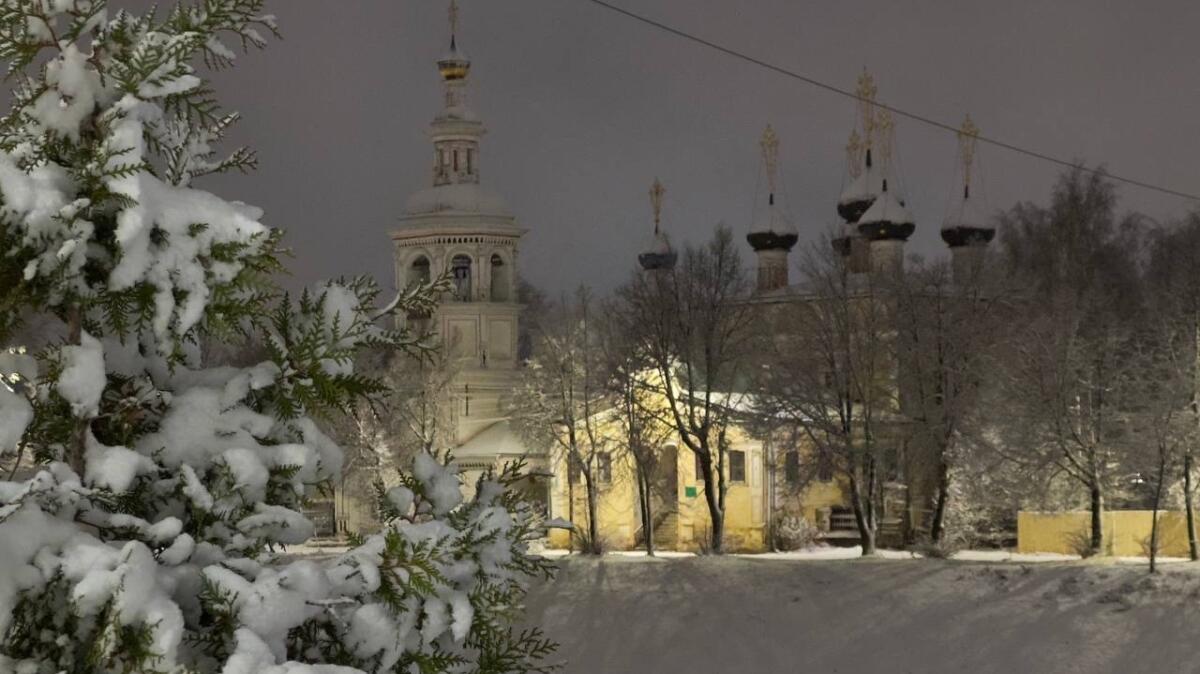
(457, 226)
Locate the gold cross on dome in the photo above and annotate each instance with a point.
(886, 126)
(854, 154)
(968, 134)
(656, 198)
(770, 151)
(866, 86)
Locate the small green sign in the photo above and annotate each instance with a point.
(689, 492)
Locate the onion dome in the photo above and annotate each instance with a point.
(887, 218)
(861, 192)
(657, 253)
(966, 224)
(771, 230)
(455, 65)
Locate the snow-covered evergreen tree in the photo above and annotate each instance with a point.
(162, 489)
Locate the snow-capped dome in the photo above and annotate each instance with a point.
(657, 253)
(966, 222)
(861, 192)
(657, 244)
(887, 218)
(772, 229)
(773, 220)
(863, 188)
(457, 198)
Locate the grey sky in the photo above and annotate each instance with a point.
(585, 108)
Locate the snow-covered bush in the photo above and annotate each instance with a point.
(794, 532)
(162, 489)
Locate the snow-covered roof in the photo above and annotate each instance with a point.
(859, 189)
(966, 212)
(886, 208)
(773, 220)
(457, 198)
(657, 244)
(497, 439)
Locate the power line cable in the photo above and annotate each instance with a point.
(903, 113)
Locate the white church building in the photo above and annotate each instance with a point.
(457, 225)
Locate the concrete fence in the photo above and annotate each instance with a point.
(1126, 532)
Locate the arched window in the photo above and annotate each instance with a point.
(500, 281)
(460, 269)
(420, 270)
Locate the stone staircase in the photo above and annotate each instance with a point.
(666, 531)
(843, 529)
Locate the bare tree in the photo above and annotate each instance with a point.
(1160, 394)
(629, 376)
(694, 326)
(1064, 373)
(1173, 281)
(560, 398)
(945, 328)
(828, 371)
(416, 412)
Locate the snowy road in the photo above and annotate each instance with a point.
(732, 615)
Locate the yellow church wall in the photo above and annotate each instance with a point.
(616, 506)
(619, 514)
(1125, 531)
(819, 496)
(813, 495)
(745, 507)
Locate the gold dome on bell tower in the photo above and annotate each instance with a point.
(454, 66)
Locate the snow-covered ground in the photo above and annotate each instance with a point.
(808, 612)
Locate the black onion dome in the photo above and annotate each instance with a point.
(657, 261)
(772, 240)
(658, 254)
(887, 218)
(965, 225)
(965, 235)
(774, 231)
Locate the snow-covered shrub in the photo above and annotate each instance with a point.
(793, 532)
(162, 488)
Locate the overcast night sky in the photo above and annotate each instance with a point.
(586, 107)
